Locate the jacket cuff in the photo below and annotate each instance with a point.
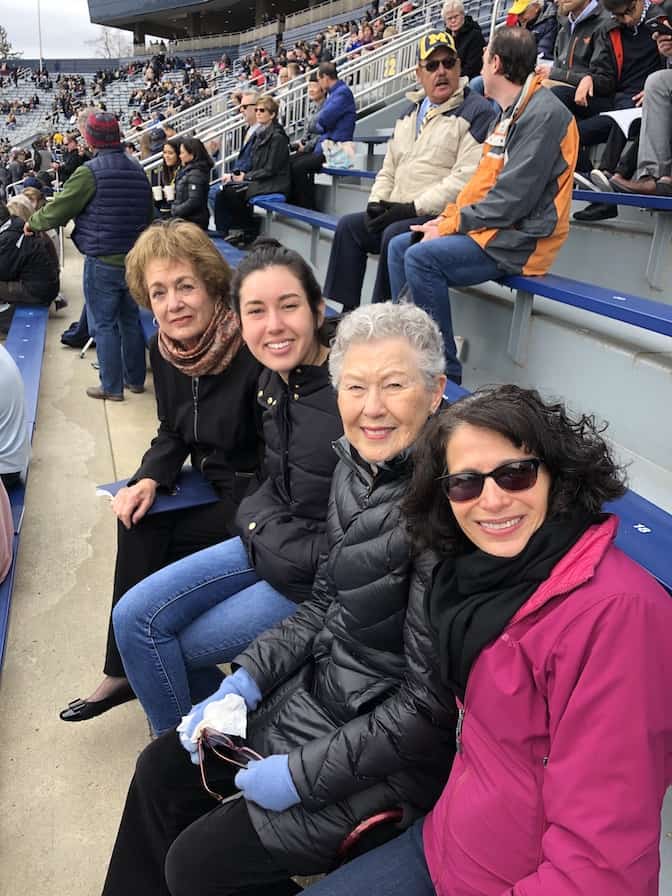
(450, 221)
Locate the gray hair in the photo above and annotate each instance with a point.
(20, 206)
(386, 320)
(451, 4)
(253, 94)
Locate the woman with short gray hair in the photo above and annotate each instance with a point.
(469, 40)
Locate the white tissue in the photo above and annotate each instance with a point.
(227, 716)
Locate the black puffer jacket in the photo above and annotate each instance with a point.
(269, 171)
(191, 194)
(469, 43)
(209, 418)
(30, 260)
(360, 707)
(283, 522)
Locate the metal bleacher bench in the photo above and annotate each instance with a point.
(25, 343)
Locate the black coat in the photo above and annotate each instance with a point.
(283, 522)
(34, 262)
(469, 43)
(210, 418)
(351, 683)
(269, 171)
(191, 194)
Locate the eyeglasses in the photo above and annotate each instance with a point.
(447, 62)
(516, 476)
(235, 754)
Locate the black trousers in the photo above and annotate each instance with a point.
(157, 540)
(353, 241)
(596, 128)
(176, 839)
(303, 167)
(232, 210)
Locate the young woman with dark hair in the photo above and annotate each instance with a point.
(192, 183)
(175, 626)
(558, 650)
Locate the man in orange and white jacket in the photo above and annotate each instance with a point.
(513, 215)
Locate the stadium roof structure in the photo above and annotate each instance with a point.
(186, 18)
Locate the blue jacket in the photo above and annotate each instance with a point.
(336, 119)
(120, 208)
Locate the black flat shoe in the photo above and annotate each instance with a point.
(81, 710)
(596, 211)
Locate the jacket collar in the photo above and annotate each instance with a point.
(576, 568)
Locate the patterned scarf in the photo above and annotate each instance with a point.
(213, 352)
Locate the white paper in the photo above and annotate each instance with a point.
(624, 118)
(227, 716)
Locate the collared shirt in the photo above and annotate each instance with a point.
(589, 10)
(425, 106)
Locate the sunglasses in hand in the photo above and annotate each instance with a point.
(228, 749)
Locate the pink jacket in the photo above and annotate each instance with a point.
(564, 740)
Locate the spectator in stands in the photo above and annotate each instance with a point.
(541, 18)
(528, 620)
(581, 40)
(268, 173)
(14, 435)
(29, 269)
(469, 40)
(248, 108)
(212, 604)
(654, 158)
(435, 149)
(163, 178)
(16, 166)
(92, 196)
(513, 215)
(630, 56)
(350, 714)
(205, 381)
(311, 132)
(336, 122)
(192, 183)
(72, 157)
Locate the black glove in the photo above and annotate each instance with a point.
(394, 211)
(373, 210)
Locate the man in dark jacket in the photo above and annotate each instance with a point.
(111, 201)
(29, 270)
(541, 19)
(581, 40)
(336, 121)
(73, 156)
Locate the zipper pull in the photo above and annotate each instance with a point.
(458, 730)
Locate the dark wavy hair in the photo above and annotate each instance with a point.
(583, 473)
(266, 252)
(195, 148)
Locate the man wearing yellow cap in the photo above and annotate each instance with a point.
(541, 19)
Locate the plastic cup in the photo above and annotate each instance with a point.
(169, 192)
(157, 193)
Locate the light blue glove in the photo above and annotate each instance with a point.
(268, 783)
(241, 683)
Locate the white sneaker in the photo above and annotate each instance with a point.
(601, 181)
(460, 345)
(583, 182)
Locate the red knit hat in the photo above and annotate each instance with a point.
(101, 131)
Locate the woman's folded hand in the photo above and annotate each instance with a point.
(132, 502)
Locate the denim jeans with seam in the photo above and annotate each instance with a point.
(177, 624)
(114, 322)
(429, 269)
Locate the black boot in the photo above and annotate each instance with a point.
(596, 211)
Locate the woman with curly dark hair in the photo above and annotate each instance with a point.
(558, 649)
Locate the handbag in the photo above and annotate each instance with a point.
(338, 155)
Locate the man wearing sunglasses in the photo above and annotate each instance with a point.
(435, 149)
(248, 109)
(513, 215)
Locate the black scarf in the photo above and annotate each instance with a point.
(474, 595)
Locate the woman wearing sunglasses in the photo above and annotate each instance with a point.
(558, 649)
(345, 699)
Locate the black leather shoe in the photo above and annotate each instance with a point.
(81, 710)
(596, 211)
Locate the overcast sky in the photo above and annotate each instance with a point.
(65, 27)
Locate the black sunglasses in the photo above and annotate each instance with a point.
(247, 105)
(515, 476)
(447, 62)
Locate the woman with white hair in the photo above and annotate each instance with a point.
(469, 40)
(344, 696)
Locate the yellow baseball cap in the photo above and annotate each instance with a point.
(434, 40)
(519, 6)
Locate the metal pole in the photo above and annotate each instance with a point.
(39, 32)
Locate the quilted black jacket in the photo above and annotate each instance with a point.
(350, 681)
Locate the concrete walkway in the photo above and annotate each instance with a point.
(62, 786)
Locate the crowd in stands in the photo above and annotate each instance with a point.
(421, 603)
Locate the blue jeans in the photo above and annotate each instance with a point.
(397, 867)
(114, 322)
(177, 624)
(429, 268)
(212, 195)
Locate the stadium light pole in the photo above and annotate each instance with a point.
(39, 31)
